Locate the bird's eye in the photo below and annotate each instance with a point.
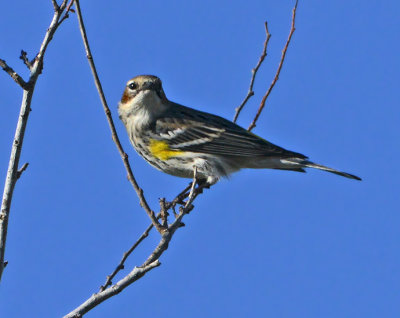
(132, 85)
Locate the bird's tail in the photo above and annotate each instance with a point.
(302, 163)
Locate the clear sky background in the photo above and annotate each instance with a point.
(261, 244)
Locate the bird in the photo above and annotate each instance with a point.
(185, 142)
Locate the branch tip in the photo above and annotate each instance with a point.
(264, 99)
(254, 71)
(24, 58)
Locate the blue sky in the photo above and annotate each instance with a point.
(263, 243)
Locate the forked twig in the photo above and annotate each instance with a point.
(254, 71)
(163, 207)
(262, 104)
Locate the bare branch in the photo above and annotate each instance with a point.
(260, 109)
(14, 75)
(114, 134)
(28, 88)
(134, 275)
(254, 73)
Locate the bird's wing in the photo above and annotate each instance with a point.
(206, 133)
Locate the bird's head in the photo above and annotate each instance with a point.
(144, 94)
(143, 89)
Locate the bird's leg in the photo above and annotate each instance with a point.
(188, 205)
(193, 182)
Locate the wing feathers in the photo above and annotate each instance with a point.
(213, 135)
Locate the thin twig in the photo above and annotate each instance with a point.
(254, 73)
(15, 76)
(55, 5)
(28, 88)
(69, 7)
(24, 58)
(121, 265)
(22, 169)
(262, 104)
(114, 134)
(37, 65)
(67, 11)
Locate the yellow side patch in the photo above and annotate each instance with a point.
(161, 150)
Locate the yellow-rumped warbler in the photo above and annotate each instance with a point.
(176, 139)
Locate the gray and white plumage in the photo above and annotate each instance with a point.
(174, 138)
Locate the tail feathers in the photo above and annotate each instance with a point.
(309, 164)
